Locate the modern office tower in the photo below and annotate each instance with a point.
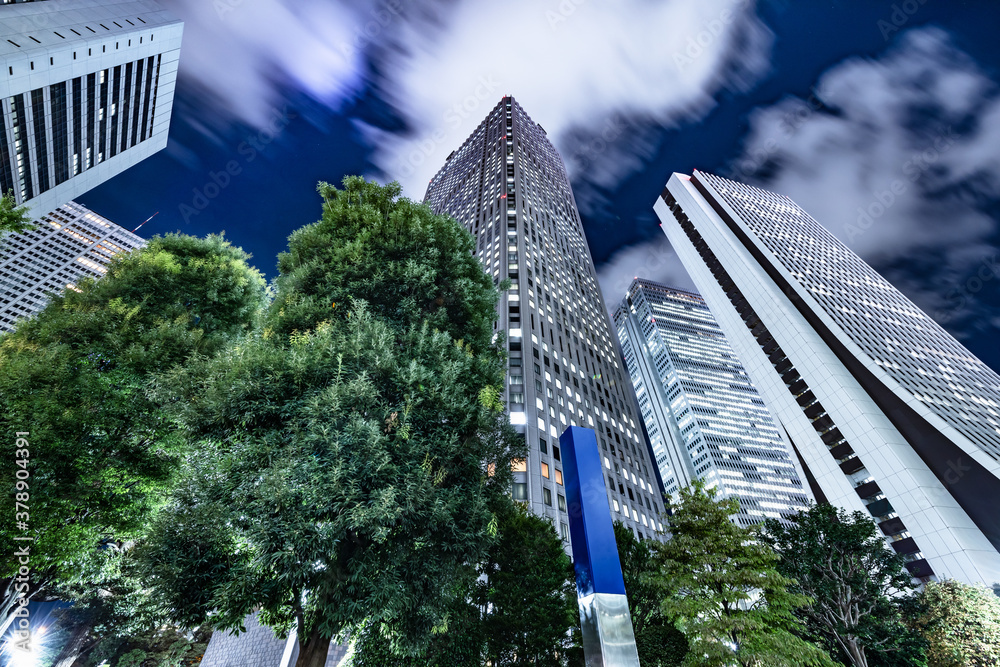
(68, 244)
(704, 417)
(86, 89)
(509, 187)
(891, 415)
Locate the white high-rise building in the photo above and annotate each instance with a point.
(86, 90)
(508, 186)
(67, 244)
(704, 417)
(891, 415)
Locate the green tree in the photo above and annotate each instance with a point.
(75, 378)
(728, 599)
(13, 218)
(518, 612)
(659, 642)
(856, 582)
(407, 264)
(527, 599)
(350, 454)
(961, 624)
(112, 615)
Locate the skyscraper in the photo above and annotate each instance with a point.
(509, 187)
(891, 415)
(68, 244)
(86, 90)
(704, 417)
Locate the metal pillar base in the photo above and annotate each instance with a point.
(608, 638)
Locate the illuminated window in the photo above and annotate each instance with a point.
(545, 470)
(559, 476)
(519, 465)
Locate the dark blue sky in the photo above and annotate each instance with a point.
(825, 101)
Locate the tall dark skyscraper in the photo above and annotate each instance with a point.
(508, 186)
(704, 417)
(891, 415)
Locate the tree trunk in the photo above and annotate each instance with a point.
(313, 653)
(856, 653)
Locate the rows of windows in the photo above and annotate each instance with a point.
(734, 443)
(908, 345)
(69, 244)
(509, 187)
(53, 133)
(823, 424)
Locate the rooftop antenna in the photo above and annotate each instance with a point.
(145, 221)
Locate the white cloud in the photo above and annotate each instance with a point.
(241, 53)
(654, 260)
(898, 159)
(578, 68)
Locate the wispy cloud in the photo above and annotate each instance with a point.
(654, 260)
(243, 54)
(601, 77)
(897, 157)
(899, 161)
(576, 67)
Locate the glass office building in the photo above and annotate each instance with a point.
(86, 90)
(704, 417)
(68, 244)
(891, 415)
(508, 186)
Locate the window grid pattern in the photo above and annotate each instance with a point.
(53, 133)
(908, 345)
(826, 428)
(508, 186)
(721, 431)
(69, 244)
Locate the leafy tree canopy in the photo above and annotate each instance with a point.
(961, 623)
(518, 611)
(729, 599)
(659, 642)
(409, 265)
(13, 218)
(75, 377)
(352, 452)
(856, 582)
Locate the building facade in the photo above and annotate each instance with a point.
(508, 186)
(890, 414)
(67, 244)
(86, 90)
(704, 417)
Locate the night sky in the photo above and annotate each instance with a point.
(881, 119)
